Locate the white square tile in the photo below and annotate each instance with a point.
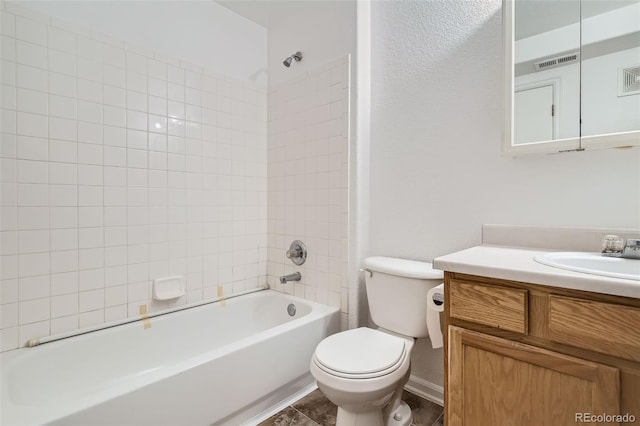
(136, 159)
(89, 132)
(64, 324)
(157, 69)
(90, 112)
(60, 106)
(114, 56)
(31, 54)
(64, 283)
(193, 80)
(64, 217)
(157, 123)
(136, 63)
(157, 142)
(62, 63)
(115, 156)
(90, 216)
(193, 97)
(8, 73)
(64, 261)
(176, 110)
(89, 90)
(9, 291)
(115, 116)
(62, 128)
(175, 75)
(63, 195)
(64, 305)
(60, 84)
(33, 171)
(64, 239)
(137, 139)
(157, 87)
(63, 151)
(8, 97)
(31, 101)
(8, 121)
(35, 241)
(63, 173)
(30, 148)
(136, 101)
(33, 218)
(33, 195)
(9, 244)
(90, 259)
(89, 70)
(34, 310)
(115, 275)
(157, 160)
(33, 264)
(9, 315)
(8, 47)
(157, 105)
(115, 296)
(9, 170)
(90, 174)
(61, 40)
(115, 196)
(33, 330)
(136, 120)
(88, 48)
(137, 178)
(194, 113)
(91, 318)
(116, 176)
(136, 82)
(32, 125)
(115, 96)
(115, 136)
(115, 236)
(115, 216)
(8, 24)
(9, 338)
(89, 196)
(91, 238)
(89, 154)
(175, 92)
(9, 267)
(113, 77)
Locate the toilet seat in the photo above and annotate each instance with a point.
(361, 353)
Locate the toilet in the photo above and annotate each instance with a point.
(363, 371)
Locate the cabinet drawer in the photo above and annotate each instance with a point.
(495, 306)
(597, 326)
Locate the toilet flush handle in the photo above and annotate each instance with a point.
(368, 271)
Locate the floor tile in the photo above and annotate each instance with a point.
(288, 417)
(318, 408)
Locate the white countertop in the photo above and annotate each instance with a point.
(517, 264)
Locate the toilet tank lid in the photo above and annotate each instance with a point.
(403, 267)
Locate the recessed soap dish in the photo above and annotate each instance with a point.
(168, 288)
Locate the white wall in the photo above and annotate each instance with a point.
(198, 31)
(437, 173)
(119, 166)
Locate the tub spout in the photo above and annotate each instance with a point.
(291, 277)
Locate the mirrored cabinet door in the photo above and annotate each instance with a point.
(572, 75)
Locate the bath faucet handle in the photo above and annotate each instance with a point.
(297, 252)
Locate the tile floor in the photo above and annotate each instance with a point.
(316, 410)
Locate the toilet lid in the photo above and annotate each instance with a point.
(360, 351)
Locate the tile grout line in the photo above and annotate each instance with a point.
(304, 415)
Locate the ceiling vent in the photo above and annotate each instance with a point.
(629, 81)
(557, 61)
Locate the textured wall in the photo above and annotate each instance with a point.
(437, 173)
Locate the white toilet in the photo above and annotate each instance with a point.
(363, 371)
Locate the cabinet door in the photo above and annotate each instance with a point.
(495, 382)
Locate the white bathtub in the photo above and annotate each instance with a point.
(212, 364)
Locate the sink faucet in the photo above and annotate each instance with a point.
(291, 277)
(631, 249)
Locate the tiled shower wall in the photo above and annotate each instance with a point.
(119, 166)
(308, 183)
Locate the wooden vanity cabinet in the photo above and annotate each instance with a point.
(524, 354)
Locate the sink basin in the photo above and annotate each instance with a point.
(593, 263)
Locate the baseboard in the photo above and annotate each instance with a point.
(426, 390)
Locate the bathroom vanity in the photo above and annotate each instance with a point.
(528, 344)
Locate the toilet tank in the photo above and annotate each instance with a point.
(397, 293)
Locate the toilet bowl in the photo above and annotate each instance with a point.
(363, 371)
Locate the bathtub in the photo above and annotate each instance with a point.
(217, 363)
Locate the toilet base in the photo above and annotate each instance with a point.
(401, 416)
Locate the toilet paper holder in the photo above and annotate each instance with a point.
(369, 271)
(438, 299)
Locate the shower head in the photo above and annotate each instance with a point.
(297, 56)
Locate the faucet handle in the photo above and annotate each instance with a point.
(632, 248)
(612, 245)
